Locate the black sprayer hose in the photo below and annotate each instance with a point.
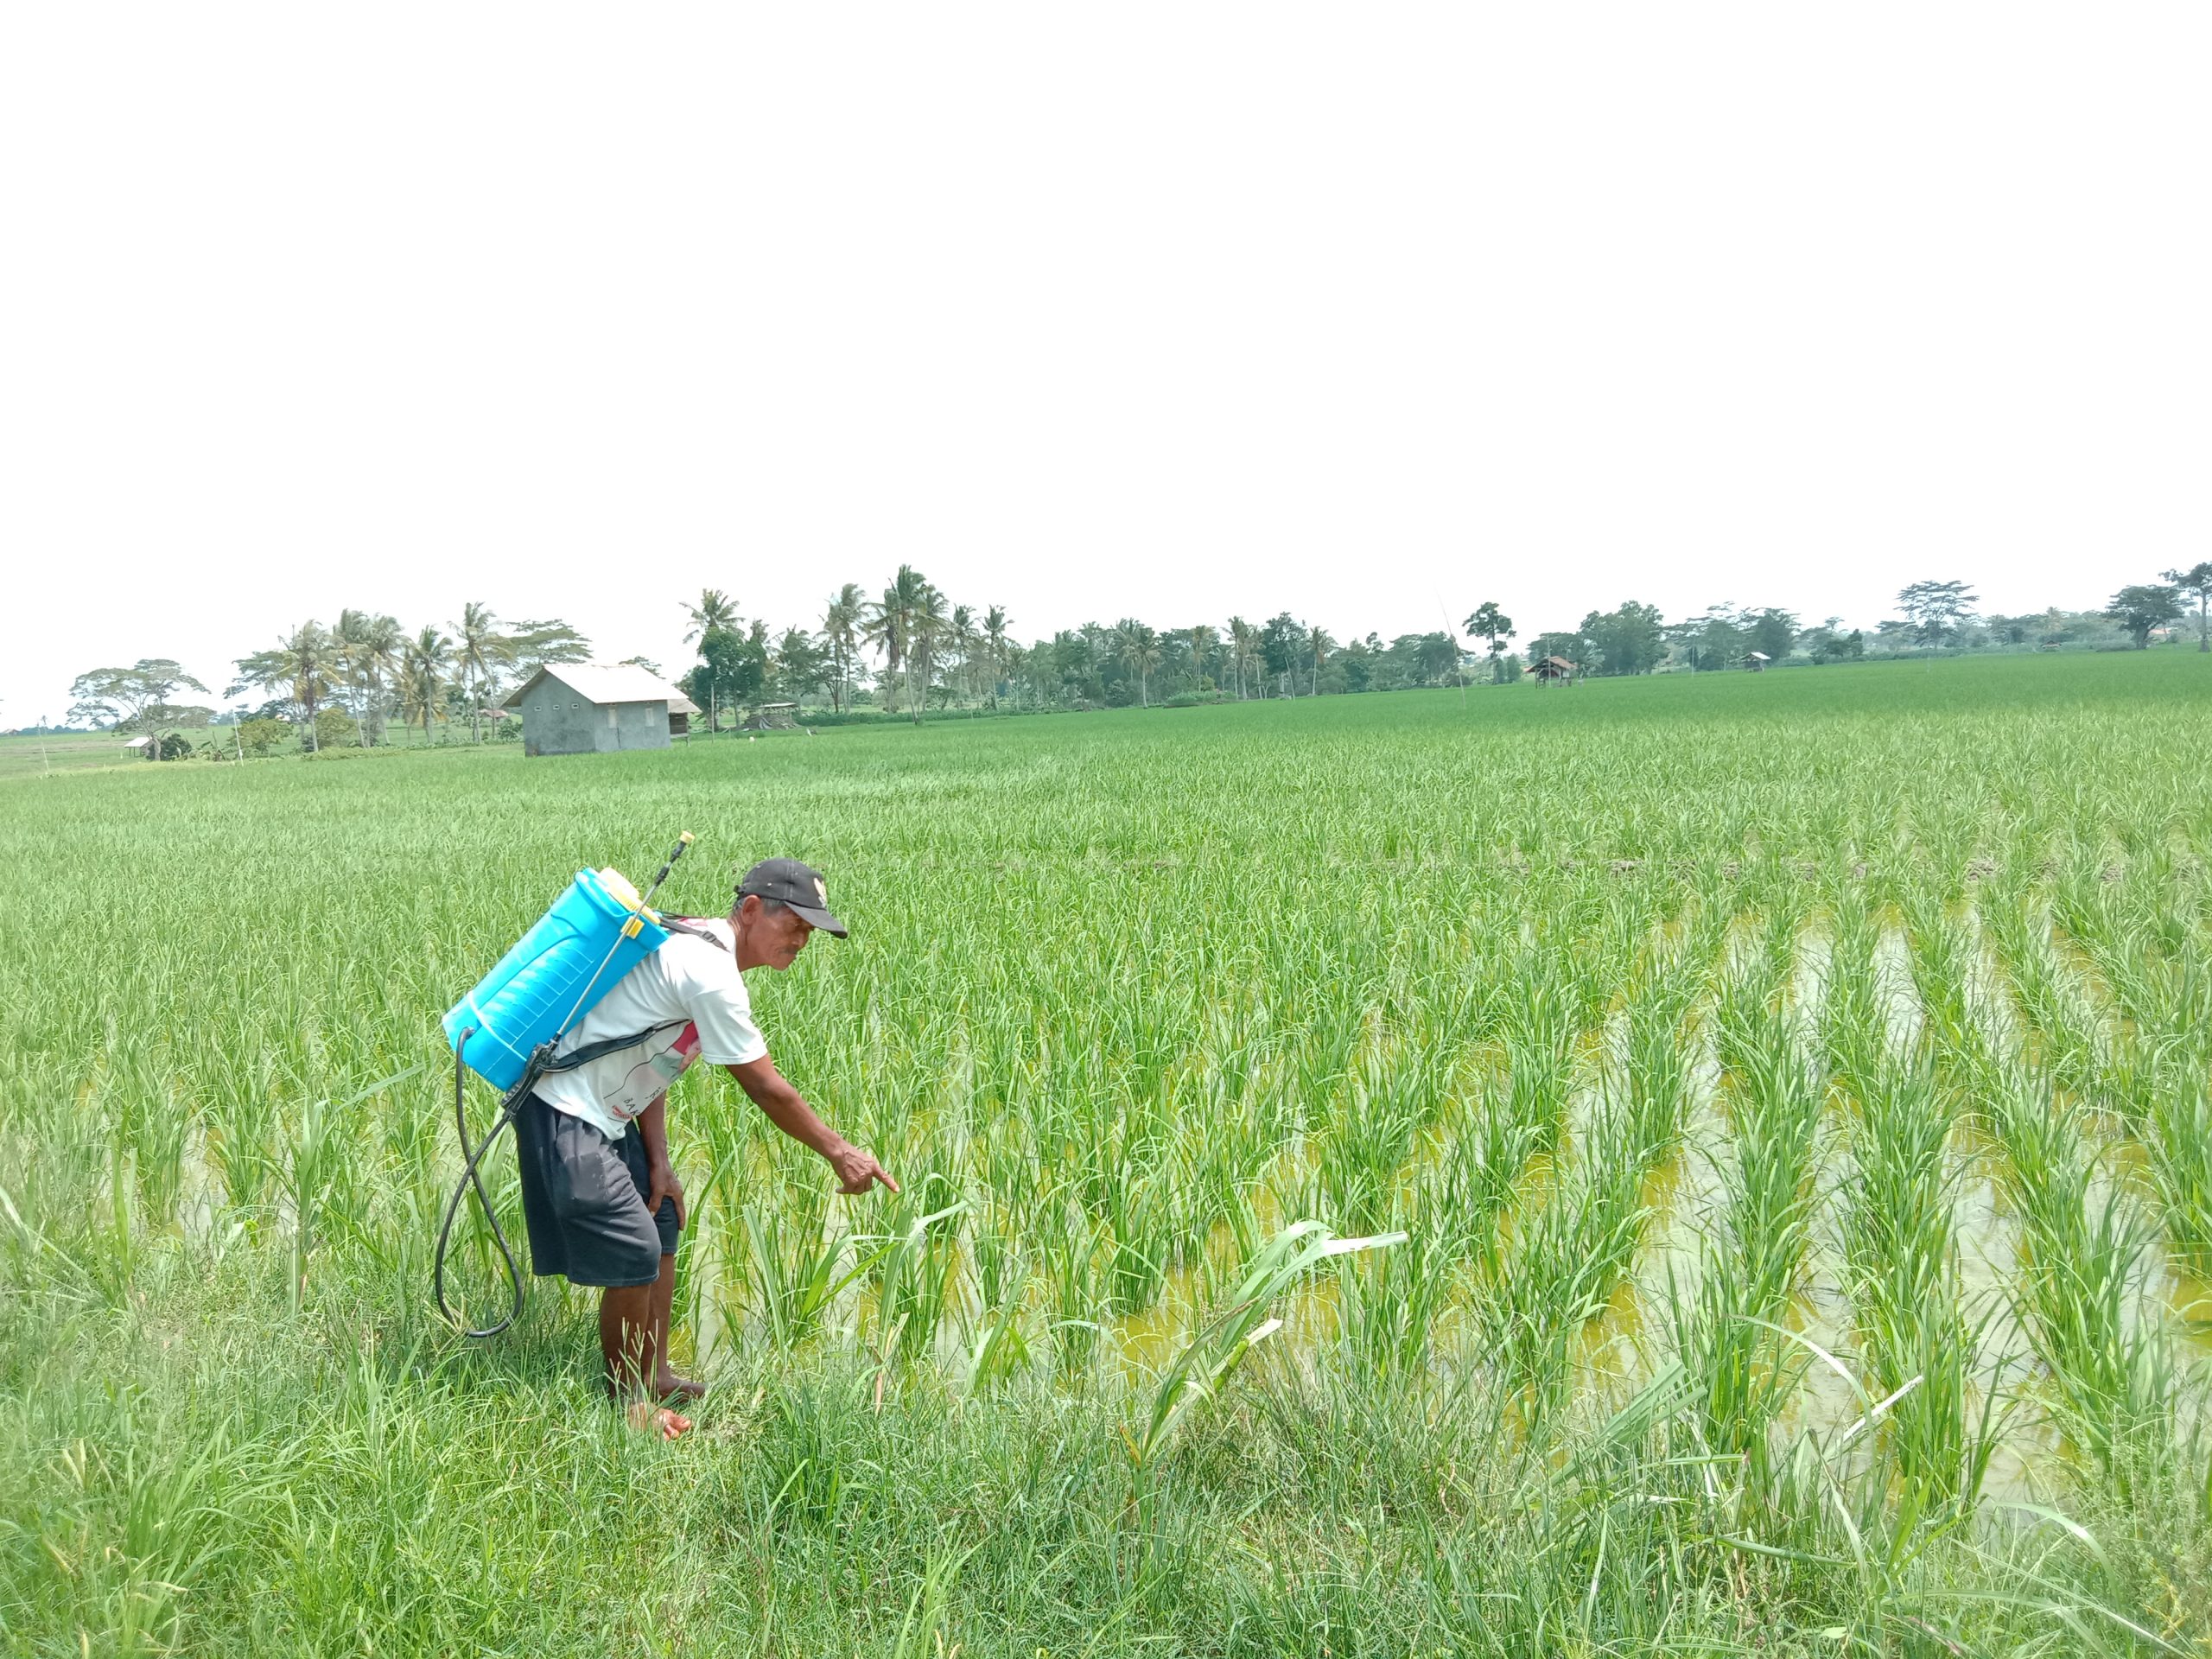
(469, 1178)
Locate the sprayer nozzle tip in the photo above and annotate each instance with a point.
(685, 837)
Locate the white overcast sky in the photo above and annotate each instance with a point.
(1170, 310)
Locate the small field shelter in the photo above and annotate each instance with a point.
(591, 707)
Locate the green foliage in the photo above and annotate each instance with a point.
(1630, 640)
(129, 699)
(260, 736)
(336, 729)
(2142, 606)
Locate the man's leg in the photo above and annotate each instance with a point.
(665, 1381)
(632, 1330)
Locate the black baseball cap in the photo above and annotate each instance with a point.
(797, 886)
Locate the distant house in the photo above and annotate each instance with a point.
(589, 708)
(139, 748)
(1550, 670)
(1756, 662)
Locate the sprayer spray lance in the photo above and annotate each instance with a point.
(674, 853)
(541, 1062)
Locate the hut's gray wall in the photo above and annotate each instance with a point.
(557, 720)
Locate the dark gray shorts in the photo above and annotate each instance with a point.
(583, 1201)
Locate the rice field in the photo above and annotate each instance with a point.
(1687, 1165)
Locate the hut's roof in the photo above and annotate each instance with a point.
(1556, 662)
(1759, 657)
(606, 682)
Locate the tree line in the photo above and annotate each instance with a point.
(910, 648)
(342, 685)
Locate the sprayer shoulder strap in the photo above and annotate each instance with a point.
(590, 1051)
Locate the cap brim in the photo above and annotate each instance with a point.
(821, 919)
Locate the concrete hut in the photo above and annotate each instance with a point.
(589, 708)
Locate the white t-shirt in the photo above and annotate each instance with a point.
(687, 979)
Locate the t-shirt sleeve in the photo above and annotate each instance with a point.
(719, 1007)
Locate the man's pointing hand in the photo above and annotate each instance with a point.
(857, 1170)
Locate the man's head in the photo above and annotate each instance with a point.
(779, 903)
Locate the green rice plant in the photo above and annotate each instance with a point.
(1139, 989)
(1741, 1371)
(916, 1272)
(2083, 1264)
(794, 1269)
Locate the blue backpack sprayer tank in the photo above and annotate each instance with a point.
(505, 1029)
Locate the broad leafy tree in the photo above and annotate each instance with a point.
(1490, 623)
(2144, 607)
(1773, 631)
(2195, 584)
(532, 646)
(1937, 610)
(1629, 640)
(127, 698)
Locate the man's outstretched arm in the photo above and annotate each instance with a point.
(857, 1170)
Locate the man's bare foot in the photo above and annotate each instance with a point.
(667, 1382)
(650, 1419)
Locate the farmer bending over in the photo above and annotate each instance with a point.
(599, 1197)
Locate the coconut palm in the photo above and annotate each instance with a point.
(1204, 641)
(301, 665)
(422, 678)
(1243, 645)
(370, 648)
(1138, 646)
(478, 649)
(883, 629)
(888, 626)
(716, 609)
(932, 627)
(995, 626)
(1318, 642)
(840, 623)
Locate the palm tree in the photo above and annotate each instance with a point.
(883, 628)
(302, 664)
(960, 636)
(839, 622)
(423, 676)
(931, 626)
(889, 624)
(1243, 639)
(716, 609)
(1321, 644)
(479, 650)
(1203, 643)
(994, 635)
(1138, 646)
(369, 647)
